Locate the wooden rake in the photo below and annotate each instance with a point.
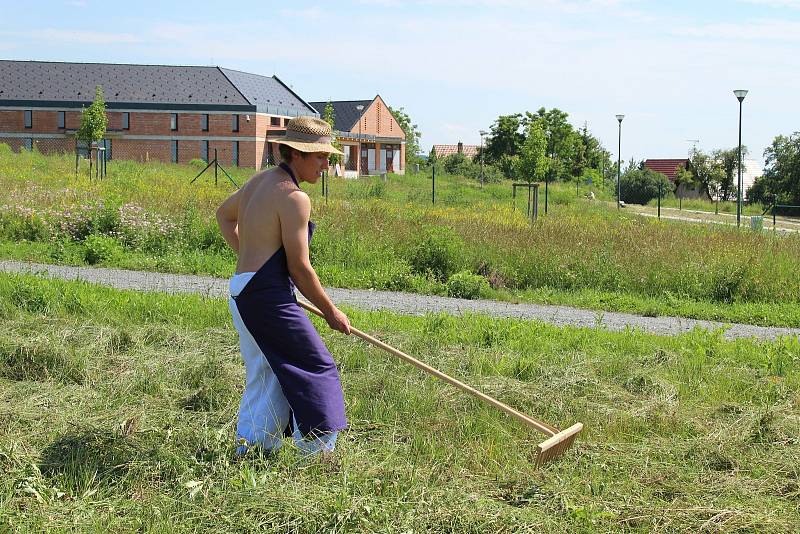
(557, 442)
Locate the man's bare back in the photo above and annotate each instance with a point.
(259, 219)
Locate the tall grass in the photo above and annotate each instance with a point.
(117, 413)
(387, 235)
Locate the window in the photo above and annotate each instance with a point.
(235, 123)
(274, 121)
(204, 151)
(204, 122)
(235, 153)
(28, 118)
(126, 120)
(285, 121)
(61, 120)
(28, 144)
(173, 121)
(174, 152)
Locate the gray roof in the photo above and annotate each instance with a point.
(42, 84)
(345, 113)
(269, 94)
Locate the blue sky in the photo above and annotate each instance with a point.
(670, 67)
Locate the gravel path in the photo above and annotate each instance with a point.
(405, 303)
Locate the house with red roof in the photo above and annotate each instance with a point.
(372, 140)
(669, 168)
(442, 151)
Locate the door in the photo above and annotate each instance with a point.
(364, 160)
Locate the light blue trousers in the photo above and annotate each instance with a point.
(264, 410)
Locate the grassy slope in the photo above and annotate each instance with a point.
(117, 412)
(579, 255)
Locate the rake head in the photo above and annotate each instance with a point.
(557, 444)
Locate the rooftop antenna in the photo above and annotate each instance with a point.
(694, 142)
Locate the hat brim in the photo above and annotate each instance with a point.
(304, 146)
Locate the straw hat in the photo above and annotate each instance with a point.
(308, 134)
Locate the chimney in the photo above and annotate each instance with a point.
(460, 147)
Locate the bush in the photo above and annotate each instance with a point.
(199, 163)
(460, 165)
(465, 285)
(437, 254)
(640, 186)
(100, 248)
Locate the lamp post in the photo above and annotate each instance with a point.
(740, 94)
(360, 108)
(482, 132)
(619, 158)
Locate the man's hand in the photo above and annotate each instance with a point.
(338, 321)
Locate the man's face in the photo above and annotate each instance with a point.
(310, 166)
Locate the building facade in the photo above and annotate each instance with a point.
(155, 112)
(372, 140)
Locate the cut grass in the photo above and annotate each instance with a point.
(117, 412)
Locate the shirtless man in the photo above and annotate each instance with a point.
(290, 373)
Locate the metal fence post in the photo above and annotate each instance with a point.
(433, 184)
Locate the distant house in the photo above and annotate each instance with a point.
(751, 169)
(372, 140)
(442, 151)
(669, 168)
(160, 112)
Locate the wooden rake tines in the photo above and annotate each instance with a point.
(557, 442)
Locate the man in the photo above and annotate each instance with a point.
(291, 376)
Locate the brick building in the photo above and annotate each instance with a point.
(367, 128)
(161, 112)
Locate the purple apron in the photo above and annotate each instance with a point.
(295, 352)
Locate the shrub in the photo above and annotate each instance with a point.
(460, 165)
(437, 254)
(465, 285)
(199, 163)
(640, 186)
(100, 248)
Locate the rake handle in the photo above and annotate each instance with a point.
(538, 425)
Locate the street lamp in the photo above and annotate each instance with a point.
(482, 132)
(360, 108)
(740, 94)
(619, 157)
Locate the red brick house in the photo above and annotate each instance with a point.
(669, 168)
(372, 140)
(161, 112)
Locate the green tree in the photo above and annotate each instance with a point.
(640, 186)
(562, 141)
(685, 177)
(329, 116)
(94, 120)
(412, 132)
(781, 173)
(505, 139)
(728, 160)
(532, 164)
(708, 172)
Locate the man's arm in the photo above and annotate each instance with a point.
(228, 220)
(294, 234)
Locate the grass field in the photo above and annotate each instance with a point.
(386, 235)
(117, 412)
